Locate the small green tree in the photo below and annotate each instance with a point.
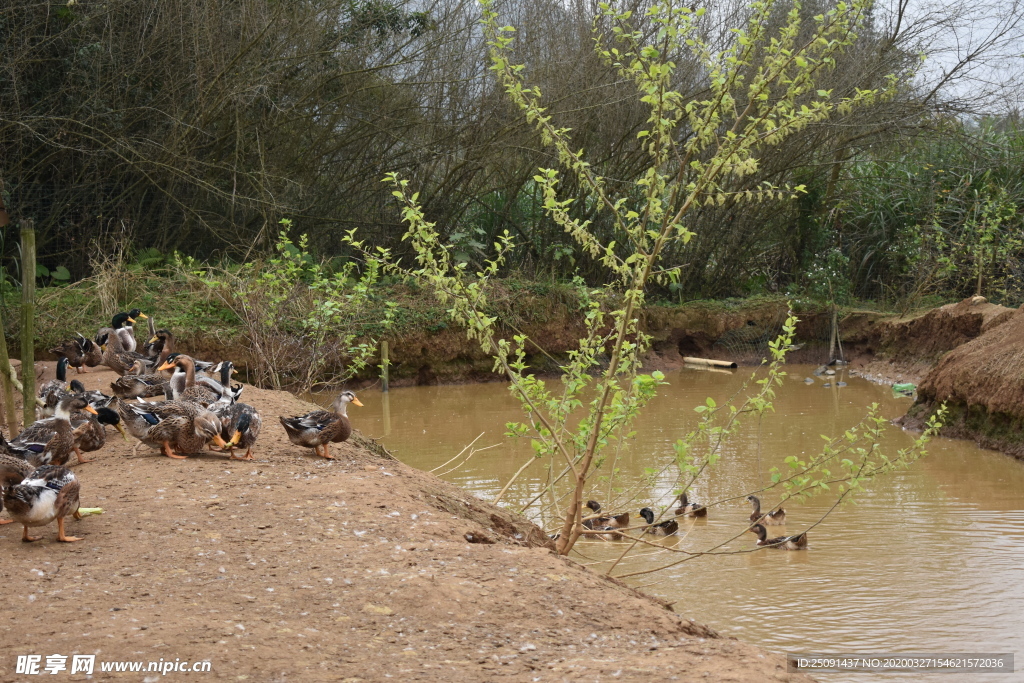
(758, 91)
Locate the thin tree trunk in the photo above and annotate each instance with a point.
(28, 316)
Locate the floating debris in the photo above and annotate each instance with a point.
(827, 384)
(840, 384)
(904, 389)
(808, 380)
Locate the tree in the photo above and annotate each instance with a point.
(759, 90)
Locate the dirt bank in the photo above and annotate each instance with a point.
(890, 349)
(293, 568)
(982, 384)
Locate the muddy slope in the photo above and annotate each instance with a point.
(892, 349)
(982, 385)
(294, 568)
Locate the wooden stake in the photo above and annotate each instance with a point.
(28, 317)
(10, 414)
(384, 364)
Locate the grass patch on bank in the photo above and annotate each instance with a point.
(190, 309)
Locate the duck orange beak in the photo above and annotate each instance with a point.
(219, 441)
(235, 438)
(143, 316)
(357, 402)
(90, 409)
(154, 339)
(166, 366)
(131, 320)
(119, 427)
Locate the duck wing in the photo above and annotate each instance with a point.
(13, 470)
(318, 420)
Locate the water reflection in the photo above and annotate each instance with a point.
(929, 560)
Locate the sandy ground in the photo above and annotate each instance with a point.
(294, 568)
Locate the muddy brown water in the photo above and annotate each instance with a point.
(928, 560)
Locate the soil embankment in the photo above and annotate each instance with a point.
(294, 568)
(981, 382)
(905, 349)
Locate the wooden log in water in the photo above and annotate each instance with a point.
(709, 361)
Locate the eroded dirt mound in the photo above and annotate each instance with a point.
(925, 337)
(295, 568)
(982, 383)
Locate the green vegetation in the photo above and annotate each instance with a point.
(109, 152)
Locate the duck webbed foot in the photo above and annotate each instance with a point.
(170, 453)
(25, 538)
(60, 533)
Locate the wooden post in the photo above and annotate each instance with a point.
(28, 316)
(384, 363)
(10, 414)
(833, 333)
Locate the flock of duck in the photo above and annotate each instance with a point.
(201, 408)
(610, 526)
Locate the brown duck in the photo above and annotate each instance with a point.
(49, 441)
(798, 542)
(81, 353)
(49, 492)
(12, 471)
(115, 356)
(136, 384)
(321, 427)
(773, 518)
(171, 426)
(688, 509)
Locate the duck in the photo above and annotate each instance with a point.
(123, 324)
(51, 392)
(618, 521)
(203, 367)
(797, 542)
(184, 385)
(81, 353)
(773, 518)
(171, 426)
(690, 509)
(135, 384)
(115, 356)
(320, 428)
(89, 431)
(49, 441)
(47, 493)
(241, 423)
(13, 470)
(159, 346)
(53, 398)
(666, 528)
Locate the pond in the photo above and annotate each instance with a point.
(928, 560)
